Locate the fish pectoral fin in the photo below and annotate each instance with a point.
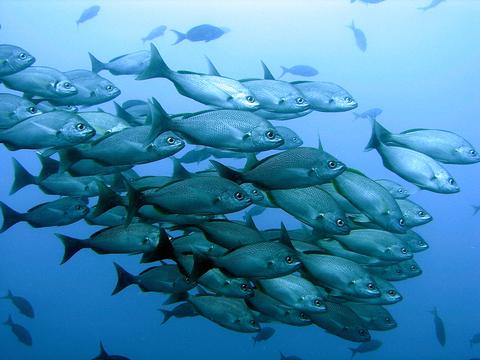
(270, 264)
(247, 136)
(281, 101)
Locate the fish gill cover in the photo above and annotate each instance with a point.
(350, 234)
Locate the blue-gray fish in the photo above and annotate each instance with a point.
(360, 38)
(439, 327)
(103, 123)
(395, 189)
(22, 304)
(88, 14)
(302, 70)
(326, 96)
(103, 355)
(291, 138)
(264, 334)
(14, 109)
(433, 3)
(414, 214)
(156, 32)
(372, 345)
(204, 32)
(129, 64)
(13, 59)
(212, 90)
(375, 317)
(289, 357)
(368, 114)
(47, 106)
(40, 81)
(20, 332)
(221, 284)
(63, 211)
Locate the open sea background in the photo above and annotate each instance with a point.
(421, 68)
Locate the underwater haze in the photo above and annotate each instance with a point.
(420, 67)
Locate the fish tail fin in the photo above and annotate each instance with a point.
(103, 353)
(379, 134)
(72, 246)
(125, 115)
(160, 121)
(124, 279)
(164, 249)
(176, 298)
(180, 36)
(21, 178)
(167, 314)
(226, 172)
(68, 157)
(8, 296)
(354, 351)
(9, 321)
(10, 217)
(356, 115)
(49, 167)
(135, 198)
(97, 65)
(284, 71)
(107, 199)
(157, 66)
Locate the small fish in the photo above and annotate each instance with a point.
(180, 311)
(475, 339)
(302, 70)
(373, 344)
(369, 114)
(63, 211)
(388, 294)
(105, 356)
(40, 81)
(14, 59)
(375, 317)
(157, 32)
(15, 109)
(129, 64)
(20, 332)
(291, 138)
(414, 214)
(290, 357)
(414, 241)
(203, 32)
(22, 304)
(360, 38)
(476, 209)
(396, 190)
(434, 3)
(221, 284)
(439, 327)
(88, 14)
(264, 334)
(47, 106)
(326, 96)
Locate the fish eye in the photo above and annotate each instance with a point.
(170, 140)
(300, 100)
(340, 222)
(400, 190)
(270, 134)
(451, 181)
(348, 99)
(294, 139)
(332, 164)
(255, 192)
(31, 110)
(253, 322)
(244, 287)
(22, 56)
(239, 196)
(387, 319)
(80, 126)
(67, 85)
(109, 87)
(289, 259)
(401, 221)
(473, 152)
(392, 292)
(250, 99)
(317, 302)
(371, 286)
(413, 267)
(303, 316)
(421, 213)
(187, 279)
(403, 250)
(362, 332)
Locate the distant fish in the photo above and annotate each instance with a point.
(372, 345)
(369, 114)
(433, 4)
(88, 14)
(439, 327)
(301, 70)
(20, 332)
(129, 64)
(203, 32)
(367, 1)
(360, 38)
(21, 303)
(158, 31)
(105, 356)
(292, 357)
(476, 209)
(263, 335)
(475, 339)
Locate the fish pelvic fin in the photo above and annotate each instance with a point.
(21, 178)
(97, 65)
(10, 217)
(157, 68)
(124, 279)
(180, 36)
(226, 172)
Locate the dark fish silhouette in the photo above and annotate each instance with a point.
(263, 335)
(476, 209)
(360, 38)
(105, 356)
(21, 303)
(291, 357)
(158, 31)
(20, 332)
(439, 327)
(88, 14)
(203, 32)
(372, 345)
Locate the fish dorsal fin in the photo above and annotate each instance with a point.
(412, 130)
(124, 114)
(129, 103)
(103, 352)
(179, 172)
(252, 161)
(212, 70)
(159, 121)
(284, 237)
(250, 223)
(320, 146)
(267, 74)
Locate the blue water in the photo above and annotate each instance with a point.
(421, 68)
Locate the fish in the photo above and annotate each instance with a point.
(291, 138)
(46, 106)
(375, 317)
(264, 334)
(396, 190)
(63, 211)
(14, 59)
(335, 248)
(388, 294)
(105, 356)
(371, 199)
(326, 96)
(291, 357)
(204, 32)
(433, 3)
(476, 209)
(103, 123)
(230, 313)
(293, 168)
(196, 243)
(221, 284)
(341, 321)
(414, 214)
(441, 145)
(113, 217)
(360, 38)
(165, 278)
(295, 292)
(92, 89)
(22, 304)
(56, 129)
(14, 109)
(369, 114)
(22, 334)
(180, 311)
(396, 272)
(128, 64)
(41, 81)
(88, 14)
(372, 345)
(414, 167)
(156, 32)
(475, 339)
(301, 70)
(218, 91)
(233, 130)
(439, 327)
(414, 241)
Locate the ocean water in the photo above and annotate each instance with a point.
(421, 68)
